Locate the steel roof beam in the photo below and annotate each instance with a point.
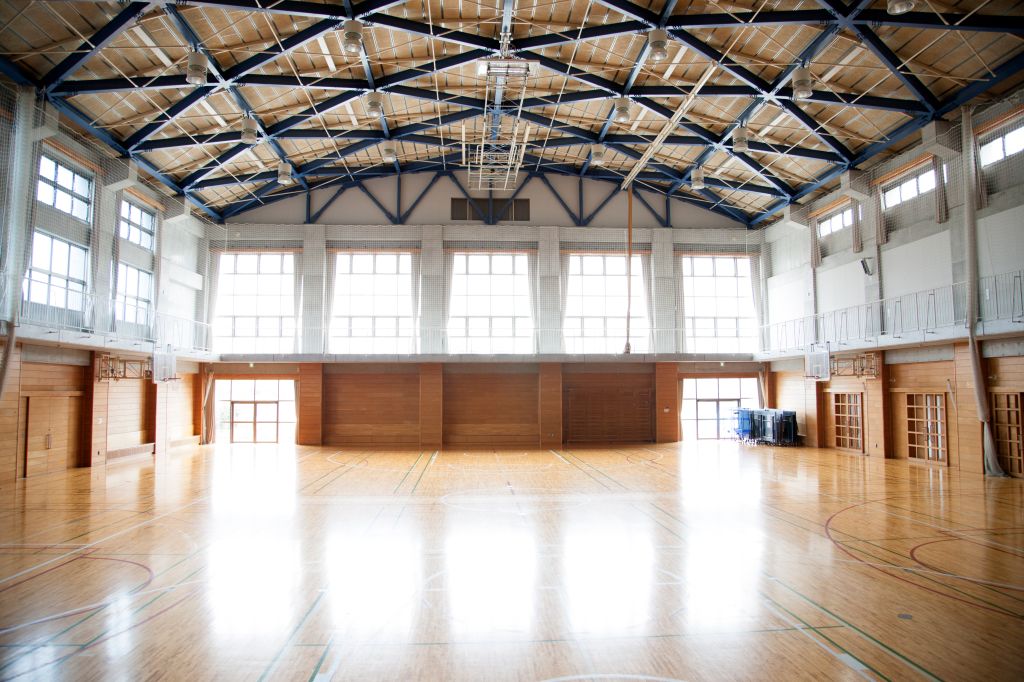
(100, 39)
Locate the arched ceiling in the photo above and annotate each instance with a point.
(117, 70)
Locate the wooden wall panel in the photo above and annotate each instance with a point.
(94, 414)
(68, 383)
(38, 377)
(550, 404)
(969, 439)
(1005, 374)
(608, 407)
(311, 406)
(489, 407)
(666, 402)
(921, 377)
(128, 409)
(431, 405)
(181, 425)
(792, 391)
(370, 407)
(10, 406)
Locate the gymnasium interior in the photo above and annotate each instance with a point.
(562, 340)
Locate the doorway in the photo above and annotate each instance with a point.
(53, 436)
(255, 410)
(710, 403)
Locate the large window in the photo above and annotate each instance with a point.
(595, 305)
(907, 189)
(64, 189)
(710, 404)
(373, 309)
(834, 222)
(134, 294)
(1004, 145)
(718, 305)
(489, 306)
(137, 225)
(255, 303)
(57, 274)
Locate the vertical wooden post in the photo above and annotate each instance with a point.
(431, 406)
(666, 402)
(10, 404)
(310, 404)
(94, 414)
(549, 402)
(156, 420)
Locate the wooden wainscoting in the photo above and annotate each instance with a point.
(491, 405)
(128, 406)
(371, 404)
(608, 406)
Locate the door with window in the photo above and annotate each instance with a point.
(716, 419)
(1006, 425)
(926, 427)
(255, 410)
(710, 403)
(847, 421)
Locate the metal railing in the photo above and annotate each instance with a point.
(77, 311)
(911, 316)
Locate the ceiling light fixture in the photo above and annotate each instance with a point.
(195, 71)
(697, 178)
(900, 6)
(657, 40)
(621, 110)
(387, 153)
(352, 42)
(250, 133)
(374, 104)
(802, 83)
(740, 137)
(284, 174)
(596, 155)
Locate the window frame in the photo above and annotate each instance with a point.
(233, 333)
(123, 299)
(123, 221)
(715, 324)
(34, 275)
(1000, 134)
(575, 336)
(522, 327)
(405, 337)
(55, 186)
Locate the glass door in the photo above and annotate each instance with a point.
(253, 422)
(716, 419)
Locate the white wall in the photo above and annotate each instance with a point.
(789, 295)
(918, 265)
(1001, 242)
(842, 286)
(353, 207)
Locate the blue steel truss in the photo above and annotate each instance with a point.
(59, 87)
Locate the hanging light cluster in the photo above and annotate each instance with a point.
(740, 139)
(657, 41)
(596, 155)
(195, 70)
(250, 133)
(697, 178)
(352, 36)
(802, 83)
(621, 111)
(284, 174)
(374, 104)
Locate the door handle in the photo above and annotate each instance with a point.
(49, 441)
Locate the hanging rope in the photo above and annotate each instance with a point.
(629, 266)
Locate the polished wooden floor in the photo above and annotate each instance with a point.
(705, 561)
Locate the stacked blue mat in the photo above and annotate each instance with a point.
(770, 427)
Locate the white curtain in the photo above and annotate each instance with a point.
(446, 299)
(212, 285)
(680, 318)
(416, 287)
(533, 277)
(563, 276)
(646, 266)
(881, 233)
(815, 245)
(941, 205)
(327, 314)
(856, 234)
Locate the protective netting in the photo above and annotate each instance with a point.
(93, 250)
(885, 257)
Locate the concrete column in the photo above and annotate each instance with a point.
(433, 290)
(549, 292)
(312, 276)
(663, 317)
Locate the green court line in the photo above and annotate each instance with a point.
(411, 469)
(273, 663)
(429, 462)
